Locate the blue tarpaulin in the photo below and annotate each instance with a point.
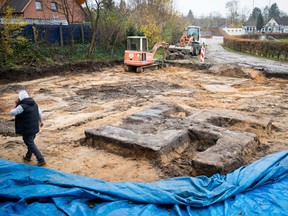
(260, 188)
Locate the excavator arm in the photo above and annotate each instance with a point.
(159, 45)
(186, 39)
(191, 39)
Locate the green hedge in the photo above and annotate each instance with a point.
(256, 36)
(252, 44)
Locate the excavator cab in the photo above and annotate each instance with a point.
(194, 31)
(138, 43)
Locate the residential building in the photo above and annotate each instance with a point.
(44, 11)
(277, 25)
(250, 29)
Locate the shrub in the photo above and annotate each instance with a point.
(10, 33)
(266, 48)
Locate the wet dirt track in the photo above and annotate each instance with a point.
(72, 103)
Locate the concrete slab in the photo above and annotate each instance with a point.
(129, 144)
(164, 132)
(219, 88)
(220, 150)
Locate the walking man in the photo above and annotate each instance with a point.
(28, 118)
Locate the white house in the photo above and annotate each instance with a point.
(277, 25)
(234, 31)
(250, 29)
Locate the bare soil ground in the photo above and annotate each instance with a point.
(75, 102)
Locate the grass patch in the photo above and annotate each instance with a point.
(284, 40)
(29, 54)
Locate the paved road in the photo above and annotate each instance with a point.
(216, 54)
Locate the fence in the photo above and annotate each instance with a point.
(57, 34)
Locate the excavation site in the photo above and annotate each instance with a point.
(175, 121)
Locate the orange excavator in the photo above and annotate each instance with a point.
(138, 58)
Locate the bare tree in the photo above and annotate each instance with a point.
(214, 19)
(232, 7)
(244, 15)
(113, 29)
(93, 9)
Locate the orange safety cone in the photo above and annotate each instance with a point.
(202, 55)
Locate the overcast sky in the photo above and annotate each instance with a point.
(205, 7)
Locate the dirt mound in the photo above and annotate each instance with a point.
(231, 70)
(30, 72)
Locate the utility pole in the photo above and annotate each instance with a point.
(253, 6)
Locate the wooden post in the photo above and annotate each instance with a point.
(82, 33)
(34, 33)
(61, 35)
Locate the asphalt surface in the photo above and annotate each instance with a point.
(216, 54)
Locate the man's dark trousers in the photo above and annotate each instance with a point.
(32, 148)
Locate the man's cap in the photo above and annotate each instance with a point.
(23, 94)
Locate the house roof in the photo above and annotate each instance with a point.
(282, 20)
(18, 6)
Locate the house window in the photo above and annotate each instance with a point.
(39, 5)
(54, 6)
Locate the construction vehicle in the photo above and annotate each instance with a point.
(189, 46)
(138, 58)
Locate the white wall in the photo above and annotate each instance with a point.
(234, 31)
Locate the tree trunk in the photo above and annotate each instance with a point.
(94, 27)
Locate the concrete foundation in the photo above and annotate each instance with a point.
(162, 133)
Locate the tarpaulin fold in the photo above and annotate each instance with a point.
(260, 188)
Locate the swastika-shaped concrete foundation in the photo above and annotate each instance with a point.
(164, 132)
